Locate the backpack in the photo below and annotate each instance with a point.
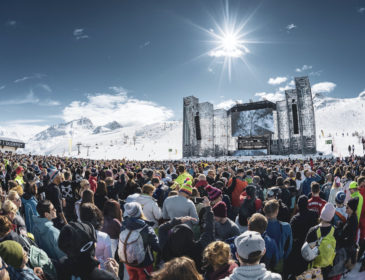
(326, 248)
(231, 188)
(39, 258)
(131, 247)
(247, 209)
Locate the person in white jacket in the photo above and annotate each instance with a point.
(149, 205)
(250, 249)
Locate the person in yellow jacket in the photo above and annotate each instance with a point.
(183, 175)
(19, 176)
(355, 193)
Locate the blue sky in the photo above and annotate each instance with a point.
(135, 60)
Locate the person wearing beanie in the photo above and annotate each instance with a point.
(53, 194)
(250, 249)
(300, 224)
(224, 227)
(180, 206)
(355, 193)
(340, 214)
(16, 258)
(201, 185)
(215, 195)
(135, 221)
(77, 240)
(323, 230)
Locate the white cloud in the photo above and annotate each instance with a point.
(145, 44)
(227, 104)
(291, 26)
(324, 87)
(45, 87)
(316, 73)
(11, 23)
(29, 98)
(361, 10)
(79, 34)
(25, 78)
(286, 87)
(229, 53)
(304, 68)
(292, 83)
(362, 94)
(2, 87)
(102, 108)
(210, 70)
(273, 97)
(277, 80)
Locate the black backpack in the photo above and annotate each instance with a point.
(247, 209)
(231, 188)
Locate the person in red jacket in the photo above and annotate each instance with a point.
(236, 186)
(93, 179)
(316, 203)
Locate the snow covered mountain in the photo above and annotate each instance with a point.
(339, 120)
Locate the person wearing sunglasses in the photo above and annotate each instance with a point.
(45, 233)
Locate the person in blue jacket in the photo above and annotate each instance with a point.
(45, 234)
(279, 231)
(310, 176)
(258, 222)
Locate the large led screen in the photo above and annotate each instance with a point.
(252, 123)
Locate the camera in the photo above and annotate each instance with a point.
(197, 200)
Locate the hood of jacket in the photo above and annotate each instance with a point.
(253, 272)
(144, 199)
(134, 223)
(42, 224)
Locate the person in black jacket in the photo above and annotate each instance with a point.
(180, 241)
(347, 236)
(53, 194)
(77, 241)
(300, 225)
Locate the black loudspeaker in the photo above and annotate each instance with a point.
(197, 127)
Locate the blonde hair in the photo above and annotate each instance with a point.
(216, 254)
(178, 269)
(18, 189)
(12, 194)
(9, 207)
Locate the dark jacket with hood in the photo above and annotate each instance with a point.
(177, 239)
(150, 240)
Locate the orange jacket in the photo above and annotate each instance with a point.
(239, 188)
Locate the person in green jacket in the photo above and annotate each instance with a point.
(183, 175)
(355, 193)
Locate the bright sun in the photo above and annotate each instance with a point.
(229, 42)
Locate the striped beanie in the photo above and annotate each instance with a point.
(213, 193)
(186, 189)
(52, 174)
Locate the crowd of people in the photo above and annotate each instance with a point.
(68, 218)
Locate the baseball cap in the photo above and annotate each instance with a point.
(249, 242)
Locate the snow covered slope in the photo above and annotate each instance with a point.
(336, 119)
(158, 141)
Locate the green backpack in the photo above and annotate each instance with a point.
(39, 258)
(327, 249)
